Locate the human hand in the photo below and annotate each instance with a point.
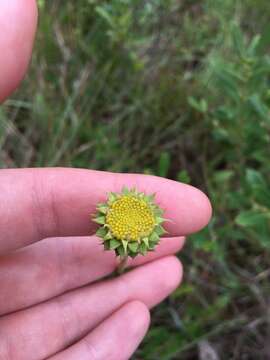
(54, 301)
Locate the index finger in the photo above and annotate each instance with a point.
(40, 203)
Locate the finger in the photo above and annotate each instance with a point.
(115, 339)
(52, 326)
(40, 203)
(18, 20)
(56, 265)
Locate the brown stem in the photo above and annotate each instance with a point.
(122, 265)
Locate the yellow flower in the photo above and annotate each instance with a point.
(130, 223)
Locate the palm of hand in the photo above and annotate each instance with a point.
(54, 301)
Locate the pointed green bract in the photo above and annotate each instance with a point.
(123, 234)
(112, 197)
(133, 246)
(133, 254)
(120, 252)
(146, 241)
(154, 237)
(125, 245)
(143, 249)
(159, 220)
(114, 244)
(100, 220)
(158, 212)
(106, 245)
(125, 191)
(103, 209)
(160, 230)
(101, 232)
(152, 245)
(108, 236)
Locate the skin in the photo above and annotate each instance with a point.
(54, 301)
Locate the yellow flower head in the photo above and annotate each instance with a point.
(130, 223)
(130, 218)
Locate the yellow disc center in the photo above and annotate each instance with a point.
(130, 218)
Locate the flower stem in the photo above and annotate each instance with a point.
(122, 265)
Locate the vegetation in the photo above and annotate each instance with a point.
(179, 89)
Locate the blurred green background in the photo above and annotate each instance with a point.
(179, 89)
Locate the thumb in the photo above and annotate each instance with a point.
(18, 21)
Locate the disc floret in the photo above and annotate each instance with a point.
(131, 223)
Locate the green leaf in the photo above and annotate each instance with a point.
(199, 105)
(254, 45)
(164, 164)
(251, 218)
(259, 106)
(103, 13)
(100, 220)
(133, 246)
(265, 38)
(223, 176)
(114, 244)
(101, 232)
(254, 178)
(183, 176)
(262, 195)
(238, 40)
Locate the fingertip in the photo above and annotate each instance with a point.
(191, 210)
(173, 268)
(171, 245)
(179, 243)
(202, 208)
(18, 21)
(140, 314)
(165, 275)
